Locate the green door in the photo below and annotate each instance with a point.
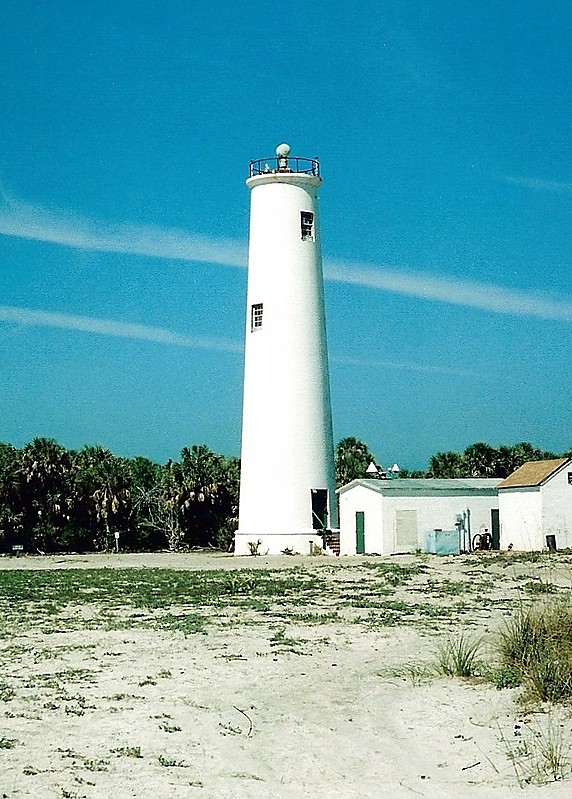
(495, 527)
(360, 532)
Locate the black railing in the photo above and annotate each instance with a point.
(272, 166)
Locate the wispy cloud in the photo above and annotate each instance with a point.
(484, 296)
(110, 327)
(536, 183)
(405, 366)
(66, 229)
(69, 230)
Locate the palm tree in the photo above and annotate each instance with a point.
(10, 507)
(479, 460)
(205, 492)
(155, 512)
(102, 493)
(446, 464)
(352, 457)
(44, 491)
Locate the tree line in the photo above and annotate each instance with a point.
(482, 460)
(352, 457)
(53, 499)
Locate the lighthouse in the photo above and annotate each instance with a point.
(287, 486)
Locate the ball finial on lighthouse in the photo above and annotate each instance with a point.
(287, 487)
(282, 153)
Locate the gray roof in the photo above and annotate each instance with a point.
(428, 486)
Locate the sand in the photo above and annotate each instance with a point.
(253, 708)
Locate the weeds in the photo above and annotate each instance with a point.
(281, 643)
(537, 644)
(8, 743)
(170, 762)
(254, 547)
(166, 727)
(506, 677)
(458, 656)
(127, 751)
(541, 754)
(539, 587)
(6, 692)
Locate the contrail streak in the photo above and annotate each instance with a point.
(68, 230)
(63, 228)
(536, 183)
(109, 327)
(483, 296)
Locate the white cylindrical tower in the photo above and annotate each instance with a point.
(287, 487)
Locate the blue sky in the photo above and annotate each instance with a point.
(443, 130)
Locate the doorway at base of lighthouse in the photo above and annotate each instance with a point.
(319, 508)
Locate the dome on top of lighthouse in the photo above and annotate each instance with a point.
(283, 150)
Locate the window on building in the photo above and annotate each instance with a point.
(570, 478)
(307, 225)
(256, 316)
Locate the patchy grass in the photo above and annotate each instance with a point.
(126, 598)
(8, 743)
(394, 574)
(535, 587)
(540, 752)
(536, 643)
(49, 679)
(127, 751)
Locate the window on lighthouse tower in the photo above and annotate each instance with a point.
(307, 225)
(256, 316)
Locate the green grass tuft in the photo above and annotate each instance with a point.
(458, 656)
(537, 643)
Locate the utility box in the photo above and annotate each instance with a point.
(441, 542)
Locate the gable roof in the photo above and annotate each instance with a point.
(533, 473)
(427, 486)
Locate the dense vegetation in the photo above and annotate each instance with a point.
(477, 460)
(482, 460)
(53, 499)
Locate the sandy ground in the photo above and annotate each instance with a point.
(332, 712)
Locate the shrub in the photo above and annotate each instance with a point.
(537, 643)
(506, 677)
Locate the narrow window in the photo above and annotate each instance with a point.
(307, 225)
(256, 316)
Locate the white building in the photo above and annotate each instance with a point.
(535, 501)
(385, 517)
(287, 487)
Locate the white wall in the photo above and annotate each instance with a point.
(368, 501)
(438, 513)
(521, 519)
(557, 508)
(433, 512)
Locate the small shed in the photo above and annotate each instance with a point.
(535, 503)
(385, 517)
